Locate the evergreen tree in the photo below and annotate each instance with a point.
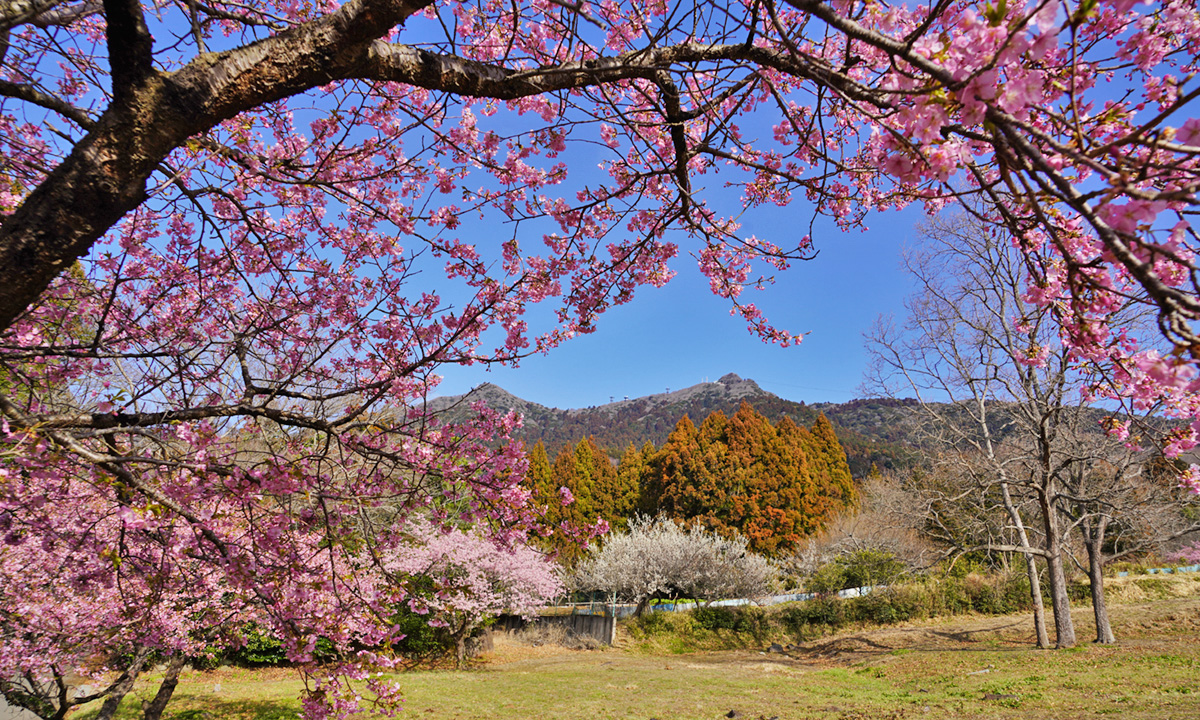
(830, 469)
(739, 474)
(540, 481)
(597, 479)
(578, 510)
(732, 475)
(545, 497)
(627, 492)
(761, 484)
(672, 467)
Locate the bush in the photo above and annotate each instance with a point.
(860, 568)
(867, 568)
(708, 627)
(753, 621)
(1079, 591)
(885, 607)
(1016, 593)
(654, 623)
(716, 618)
(983, 596)
(745, 619)
(827, 579)
(420, 638)
(817, 614)
(948, 596)
(259, 649)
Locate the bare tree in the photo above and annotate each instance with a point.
(887, 520)
(1121, 506)
(1001, 397)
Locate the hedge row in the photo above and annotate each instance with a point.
(992, 595)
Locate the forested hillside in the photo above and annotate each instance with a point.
(871, 431)
(775, 484)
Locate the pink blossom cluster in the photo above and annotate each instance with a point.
(1191, 553)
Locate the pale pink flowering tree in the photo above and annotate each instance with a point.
(1190, 553)
(474, 578)
(272, 207)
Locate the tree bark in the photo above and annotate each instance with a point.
(1031, 569)
(1094, 541)
(154, 710)
(642, 605)
(1064, 626)
(121, 688)
(1039, 607)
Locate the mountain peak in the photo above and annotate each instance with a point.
(737, 386)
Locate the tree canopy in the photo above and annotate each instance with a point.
(742, 476)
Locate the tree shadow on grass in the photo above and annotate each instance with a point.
(912, 639)
(237, 709)
(212, 709)
(969, 636)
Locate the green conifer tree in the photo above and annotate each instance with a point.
(831, 469)
(626, 493)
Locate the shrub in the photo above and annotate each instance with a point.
(818, 614)
(983, 596)
(827, 579)
(259, 649)
(1016, 593)
(885, 606)
(861, 568)
(753, 621)
(655, 623)
(716, 618)
(948, 596)
(746, 619)
(870, 567)
(420, 638)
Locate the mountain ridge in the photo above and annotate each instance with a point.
(650, 418)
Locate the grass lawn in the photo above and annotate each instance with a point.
(963, 667)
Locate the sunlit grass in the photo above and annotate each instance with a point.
(958, 668)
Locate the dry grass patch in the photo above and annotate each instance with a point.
(983, 668)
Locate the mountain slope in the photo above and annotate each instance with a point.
(868, 429)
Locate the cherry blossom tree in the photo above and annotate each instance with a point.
(474, 578)
(237, 238)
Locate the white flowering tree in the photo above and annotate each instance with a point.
(658, 559)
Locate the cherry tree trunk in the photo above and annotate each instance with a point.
(154, 709)
(120, 689)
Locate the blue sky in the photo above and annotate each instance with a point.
(681, 334)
